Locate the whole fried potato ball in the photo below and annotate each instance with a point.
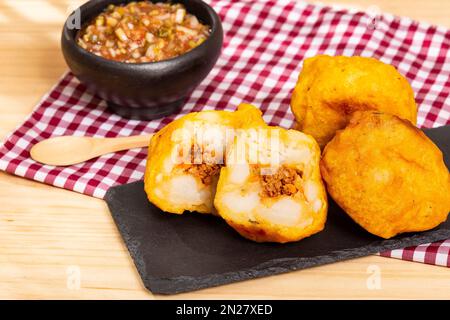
(330, 89)
(387, 175)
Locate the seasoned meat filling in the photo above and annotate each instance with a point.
(285, 181)
(204, 171)
(207, 169)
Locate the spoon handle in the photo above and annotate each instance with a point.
(69, 150)
(107, 145)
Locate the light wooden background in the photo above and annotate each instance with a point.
(49, 236)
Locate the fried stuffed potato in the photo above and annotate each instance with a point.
(185, 158)
(271, 189)
(330, 89)
(387, 175)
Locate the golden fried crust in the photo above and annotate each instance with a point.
(162, 145)
(267, 234)
(330, 89)
(387, 175)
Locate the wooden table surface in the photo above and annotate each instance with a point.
(59, 244)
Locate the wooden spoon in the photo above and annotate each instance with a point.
(68, 150)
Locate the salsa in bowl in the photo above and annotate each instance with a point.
(146, 61)
(143, 31)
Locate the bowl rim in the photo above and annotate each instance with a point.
(216, 30)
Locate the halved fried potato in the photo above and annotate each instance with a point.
(271, 189)
(185, 157)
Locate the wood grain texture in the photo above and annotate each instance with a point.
(51, 238)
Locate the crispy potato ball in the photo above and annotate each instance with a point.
(185, 157)
(330, 89)
(387, 175)
(271, 189)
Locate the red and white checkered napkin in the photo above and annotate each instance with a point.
(265, 44)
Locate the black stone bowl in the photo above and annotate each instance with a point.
(142, 90)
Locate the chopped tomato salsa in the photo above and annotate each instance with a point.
(142, 32)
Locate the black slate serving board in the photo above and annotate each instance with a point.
(176, 254)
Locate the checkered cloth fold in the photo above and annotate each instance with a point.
(265, 44)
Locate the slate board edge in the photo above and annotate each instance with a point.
(132, 249)
(182, 284)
